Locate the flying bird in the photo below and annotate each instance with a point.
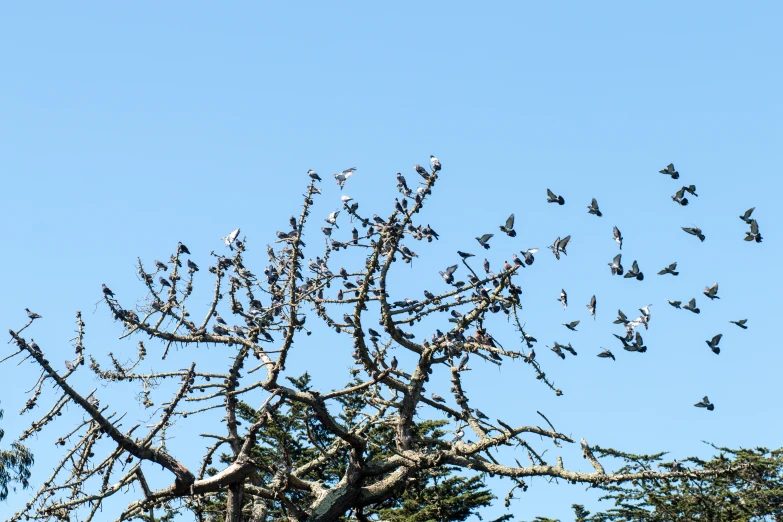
(591, 307)
(606, 354)
(332, 219)
(670, 171)
(560, 245)
(675, 304)
(448, 274)
(671, 269)
(694, 231)
(229, 239)
(483, 240)
(508, 228)
(740, 323)
(691, 189)
(618, 237)
(563, 299)
(635, 272)
(713, 344)
(572, 325)
(528, 255)
(746, 216)
(552, 198)
(616, 265)
(592, 208)
(753, 234)
(711, 291)
(558, 350)
(679, 197)
(341, 177)
(691, 306)
(705, 403)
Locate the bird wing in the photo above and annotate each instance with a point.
(616, 232)
(550, 194)
(592, 301)
(485, 238)
(634, 266)
(564, 242)
(749, 212)
(714, 289)
(510, 222)
(594, 204)
(450, 270)
(232, 236)
(754, 226)
(692, 303)
(617, 259)
(531, 251)
(716, 339)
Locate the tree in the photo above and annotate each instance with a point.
(293, 452)
(15, 465)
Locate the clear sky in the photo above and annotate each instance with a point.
(124, 129)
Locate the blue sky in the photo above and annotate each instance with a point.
(126, 129)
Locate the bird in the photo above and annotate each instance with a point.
(746, 216)
(517, 261)
(694, 231)
(401, 182)
(486, 265)
(313, 175)
(332, 219)
(572, 325)
(740, 323)
(484, 239)
(69, 365)
(34, 347)
(645, 310)
(713, 344)
(691, 189)
(560, 245)
(219, 319)
(528, 255)
(669, 270)
(635, 272)
(192, 267)
(585, 447)
(552, 198)
(691, 306)
(591, 307)
(618, 237)
(508, 228)
(606, 354)
(345, 199)
(592, 208)
(229, 239)
(479, 414)
(616, 265)
(557, 349)
(422, 171)
(106, 291)
(435, 163)
(621, 318)
(753, 234)
(563, 299)
(32, 315)
(164, 282)
(458, 435)
(437, 398)
(711, 291)
(182, 249)
(705, 403)
(341, 177)
(679, 197)
(448, 274)
(675, 304)
(670, 171)
(393, 364)
(464, 255)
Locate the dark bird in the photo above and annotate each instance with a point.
(635, 272)
(746, 216)
(393, 364)
(401, 182)
(435, 163)
(486, 265)
(606, 354)
(219, 319)
(313, 175)
(343, 176)
(32, 315)
(679, 197)
(349, 320)
(107, 292)
(479, 414)
(621, 318)
(675, 304)
(34, 347)
(569, 348)
(464, 255)
(591, 307)
(483, 240)
(551, 198)
(164, 282)
(618, 237)
(691, 189)
(517, 261)
(669, 270)
(437, 398)
(422, 171)
(192, 267)
(705, 403)
(572, 325)
(713, 344)
(711, 291)
(528, 255)
(558, 350)
(740, 323)
(161, 266)
(670, 171)
(753, 234)
(397, 206)
(448, 274)
(592, 208)
(694, 231)
(616, 265)
(508, 228)
(563, 299)
(691, 306)
(182, 249)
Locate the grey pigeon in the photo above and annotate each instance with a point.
(669, 170)
(341, 177)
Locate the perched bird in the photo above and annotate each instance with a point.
(753, 234)
(69, 366)
(618, 237)
(486, 265)
(161, 266)
(464, 255)
(606, 354)
(332, 219)
(313, 175)
(711, 291)
(458, 435)
(552, 198)
(508, 228)
(675, 304)
(437, 398)
(572, 325)
(393, 363)
(563, 298)
(479, 414)
(591, 307)
(32, 315)
(670, 171)
(448, 274)
(219, 319)
(517, 261)
(345, 199)
(192, 267)
(229, 239)
(182, 249)
(616, 265)
(679, 197)
(401, 182)
(341, 177)
(635, 272)
(705, 403)
(34, 347)
(592, 208)
(421, 171)
(528, 255)
(164, 282)
(691, 306)
(713, 344)
(746, 216)
(669, 270)
(694, 231)
(106, 291)
(435, 163)
(483, 240)
(740, 323)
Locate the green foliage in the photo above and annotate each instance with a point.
(15, 466)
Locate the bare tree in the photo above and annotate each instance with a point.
(102, 459)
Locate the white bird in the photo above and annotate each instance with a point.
(344, 175)
(435, 163)
(332, 219)
(585, 446)
(346, 199)
(229, 239)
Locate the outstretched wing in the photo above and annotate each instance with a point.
(510, 222)
(550, 194)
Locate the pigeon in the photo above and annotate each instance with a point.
(621, 318)
(164, 282)
(32, 315)
(345, 199)
(713, 344)
(572, 325)
(437, 398)
(34, 347)
(313, 175)
(528, 255)
(484, 239)
(517, 261)
(569, 348)
(557, 349)
(592, 208)
(691, 189)
(552, 198)
(694, 231)
(435, 163)
(563, 299)
(645, 310)
(606, 354)
(616, 265)
(670, 171)
(560, 245)
(740, 323)
(341, 177)
(591, 307)
(393, 364)
(675, 304)
(669, 270)
(754, 234)
(219, 319)
(458, 435)
(182, 249)
(508, 228)
(229, 239)
(448, 274)
(464, 255)
(332, 219)
(746, 216)
(705, 403)
(422, 171)
(401, 182)
(711, 291)
(69, 366)
(679, 197)
(486, 265)
(107, 292)
(618, 237)
(634, 272)
(192, 267)
(691, 306)
(479, 414)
